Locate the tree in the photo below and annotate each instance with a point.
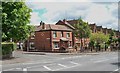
(111, 35)
(82, 30)
(99, 38)
(15, 17)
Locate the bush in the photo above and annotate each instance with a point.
(8, 48)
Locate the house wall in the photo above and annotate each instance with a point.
(43, 41)
(57, 39)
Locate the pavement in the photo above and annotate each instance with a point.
(102, 61)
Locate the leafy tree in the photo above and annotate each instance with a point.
(111, 35)
(99, 38)
(15, 17)
(91, 45)
(82, 30)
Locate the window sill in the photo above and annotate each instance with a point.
(56, 48)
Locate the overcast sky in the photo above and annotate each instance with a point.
(101, 12)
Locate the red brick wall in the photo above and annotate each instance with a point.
(42, 41)
(57, 39)
(64, 35)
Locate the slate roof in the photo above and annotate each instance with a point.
(53, 27)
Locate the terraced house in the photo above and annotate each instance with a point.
(59, 37)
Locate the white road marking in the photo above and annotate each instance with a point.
(74, 62)
(17, 68)
(24, 69)
(47, 68)
(67, 67)
(100, 61)
(62, 65)
(9, 69)
(116, 69)
(71, 57)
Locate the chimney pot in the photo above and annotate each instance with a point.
(64, 20)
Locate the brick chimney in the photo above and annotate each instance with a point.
(64, 20)
(42, 24)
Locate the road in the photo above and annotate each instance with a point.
(103, 61)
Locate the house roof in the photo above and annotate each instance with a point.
(72, 22)
(53, 27)
(64, 22)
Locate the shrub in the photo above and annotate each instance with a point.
(8, 48)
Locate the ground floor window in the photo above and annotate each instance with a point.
(32, 45)
(56, 45)
(70, 44)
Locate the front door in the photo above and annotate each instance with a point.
(63, 46)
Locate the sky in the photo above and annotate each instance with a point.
(102, 12)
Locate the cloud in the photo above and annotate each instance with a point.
(34, 18)
(104, 14)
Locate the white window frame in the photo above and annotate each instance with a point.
(32, 43)
(62, 34)
(70, 44)
(68, 36)
(54, 34)
(56, 45)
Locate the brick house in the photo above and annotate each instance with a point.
(53, 38)
(105, 31)
(93, 27)
(99, 29)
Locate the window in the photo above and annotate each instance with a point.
(68, 35)
(54, 34)
(70, 44)
(32, 37)
(56, 45)
(32, 45)
(61, 33)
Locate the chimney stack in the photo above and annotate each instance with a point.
(64, 20)
(42, 24)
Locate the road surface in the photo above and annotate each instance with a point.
(103, 61)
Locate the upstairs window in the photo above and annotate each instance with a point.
(68, 35)
(54, 34)
(62, 34)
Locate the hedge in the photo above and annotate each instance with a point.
(8, 48)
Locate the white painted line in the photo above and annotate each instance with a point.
(116, 69)
(67, 67)
(47, 68)
(9, 69)
(100, 61)
(74, 62)
(24, 69)
(72, 57)
(62, 65)
(18, 68)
